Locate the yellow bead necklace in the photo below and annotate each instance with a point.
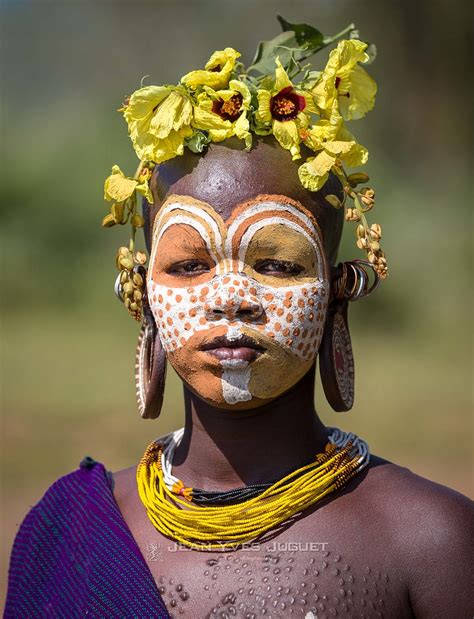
(228, 526)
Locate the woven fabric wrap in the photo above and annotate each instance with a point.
(74, 555)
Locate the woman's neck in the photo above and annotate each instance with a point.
(224, 449)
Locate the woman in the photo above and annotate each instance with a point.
(255, 508)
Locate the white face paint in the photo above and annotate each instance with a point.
(233, 296)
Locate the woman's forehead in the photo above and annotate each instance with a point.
(226, 178)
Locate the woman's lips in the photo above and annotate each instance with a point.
(242, 348)
(243, 353)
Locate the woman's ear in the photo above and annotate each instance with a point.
(349, 281)
(150, 366)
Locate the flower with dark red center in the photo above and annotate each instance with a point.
(229, 109)
(286, 104)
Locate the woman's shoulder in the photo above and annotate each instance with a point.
(74, 550)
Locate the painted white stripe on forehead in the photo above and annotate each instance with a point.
(255, 227)
(199, 212)
(261, 207)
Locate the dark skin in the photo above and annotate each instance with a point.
(390, 543)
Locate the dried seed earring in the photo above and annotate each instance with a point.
(150, 359)
(336, 360)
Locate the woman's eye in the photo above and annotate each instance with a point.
(278, 268)
(188, 267)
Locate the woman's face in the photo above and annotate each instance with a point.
(239, 303)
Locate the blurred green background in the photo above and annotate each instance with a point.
(68, 345)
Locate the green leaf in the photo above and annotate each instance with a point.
(305, 35)
(296, 43)
(267, 51)
(197, 142)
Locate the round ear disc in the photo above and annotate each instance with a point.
(336, 359)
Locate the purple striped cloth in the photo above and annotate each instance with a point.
(74, 555)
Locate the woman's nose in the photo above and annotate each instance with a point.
(233, 302)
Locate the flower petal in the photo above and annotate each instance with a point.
(315, 171)
(118, 187)
(287, 135)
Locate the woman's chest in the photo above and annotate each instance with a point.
(280, 578)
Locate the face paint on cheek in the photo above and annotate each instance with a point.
(292, 317)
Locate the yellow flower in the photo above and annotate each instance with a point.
(335, 145)
(118, 187)
(217, 71)
(224, 113)
(159, 119)
(346, 81)
(283, 111)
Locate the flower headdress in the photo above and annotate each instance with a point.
(279, 94)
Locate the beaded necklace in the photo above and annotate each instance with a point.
(174, 511)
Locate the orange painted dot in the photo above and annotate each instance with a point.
(289, 294)
(176, 332)
(226, 280)
(289, 342)
(168, 334)
(204, 291)
(280, 311)
(241, 293)
(311, 302)
(193, 298)
(236, 282)
(314, 290)
(160, 313)
(300, 303)
(202, 320)
(192, 312)
(215, 285)
(169, 292)
(311, 316)
(181, 315)
(300, 346)
(218, 301)
(169, 321)
(286, 332)
(296, 331)
(301, 316)
(179, 298)
(167, 307)
(190, 290)
(160, 298)
(182, 341)
(187, 326)
(287, 303)
(305, 292)
(268, 296)
(272, 307)
(260, 327)
(245, 282)
(271, 334)
(231, 289)
(154, 298)
(277, 326)
(253, 290)
(289, 318)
